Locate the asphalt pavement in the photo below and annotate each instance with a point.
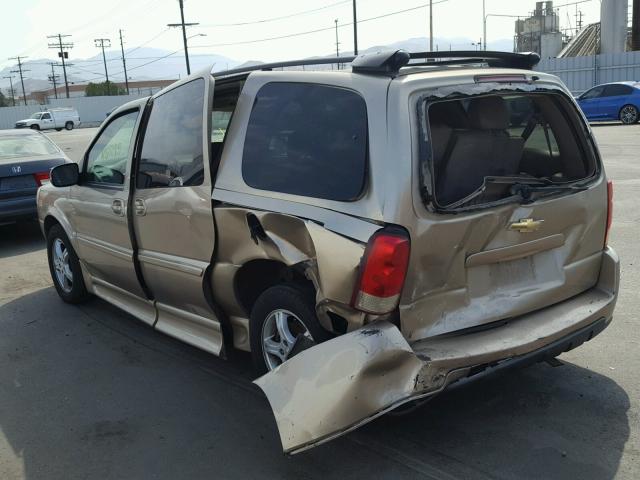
(90, 392)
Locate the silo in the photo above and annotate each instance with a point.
(613, 21)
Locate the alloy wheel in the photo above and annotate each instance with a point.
(629, 114)
(280, 332)
(61, 265)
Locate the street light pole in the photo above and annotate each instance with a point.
(355, 29)
(337, 42)
(484, 25)
(431, 25)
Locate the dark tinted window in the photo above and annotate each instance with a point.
(172, 149)
(593, 93)
(616, 90)
(307, 139)
(108, 157)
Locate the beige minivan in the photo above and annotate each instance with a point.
(372, 234)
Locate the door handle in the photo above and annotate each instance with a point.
(118, 207)
(140, 207)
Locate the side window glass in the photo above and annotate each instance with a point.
(46, 116)
(172, 150)
(108, 157)
(593, 93)
(219, 123)
(617, 90)
(307, 139)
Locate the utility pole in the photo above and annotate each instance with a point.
(184, 33)
(355, 29)
(20, 71)
(124, 63)
(62, 54)
(337, 42)
(99, 42)
(13, 95)
(52, 78)
(484, 25)
(431, 25)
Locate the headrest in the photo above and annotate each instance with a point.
(489, 113)
(450, 113)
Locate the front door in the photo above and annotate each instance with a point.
(172, 213)
(99, 203)
(590, 103)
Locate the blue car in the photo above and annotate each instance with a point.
(612, 101)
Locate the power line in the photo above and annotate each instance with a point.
(308, 32)
(62, 54)
(20, 70)
(273, 19)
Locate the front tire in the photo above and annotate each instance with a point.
(58, 129)
(628, 115)
(68, 125)
(64, 266)
(283, 322)
(34, 127)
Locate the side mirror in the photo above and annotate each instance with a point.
(65, 175)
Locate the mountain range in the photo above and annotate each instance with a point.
(152, 63)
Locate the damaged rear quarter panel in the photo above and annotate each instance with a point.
(326, 258)
(354, 378)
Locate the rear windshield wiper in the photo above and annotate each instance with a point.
(525, 190)
(519, 186)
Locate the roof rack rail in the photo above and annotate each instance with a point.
(389, 62)
(290, 63)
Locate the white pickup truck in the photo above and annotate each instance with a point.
(57, 118)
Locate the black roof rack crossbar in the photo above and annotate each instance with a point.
(390, 62)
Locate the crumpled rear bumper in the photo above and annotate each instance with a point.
(339, 385)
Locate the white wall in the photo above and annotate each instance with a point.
(582, 73)
(90, 109)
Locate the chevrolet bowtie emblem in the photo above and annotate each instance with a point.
(526, 225)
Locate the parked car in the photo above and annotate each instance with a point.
(26, 157)
(612, 101)
(57, 118)
(371, 235)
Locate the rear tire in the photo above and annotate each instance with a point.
(34, 127)
(282, 314)
(68, 125)
(629, 115)
(64, 266)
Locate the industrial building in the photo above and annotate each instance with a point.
(615, 33)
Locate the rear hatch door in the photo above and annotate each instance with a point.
(511, 207)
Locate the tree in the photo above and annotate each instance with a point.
(4, 101)
(102, 89)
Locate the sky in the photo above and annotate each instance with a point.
(240, 29)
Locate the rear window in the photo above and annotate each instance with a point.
(26, 146)
(481, 146)
(307, 139)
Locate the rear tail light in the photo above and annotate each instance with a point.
(42, 178)
(609, 211)
(382, 272)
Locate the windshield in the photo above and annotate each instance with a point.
(26, 146)
(517, 137)
(36, 116)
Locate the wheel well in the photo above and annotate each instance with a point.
(256, 276)
(48, 223)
